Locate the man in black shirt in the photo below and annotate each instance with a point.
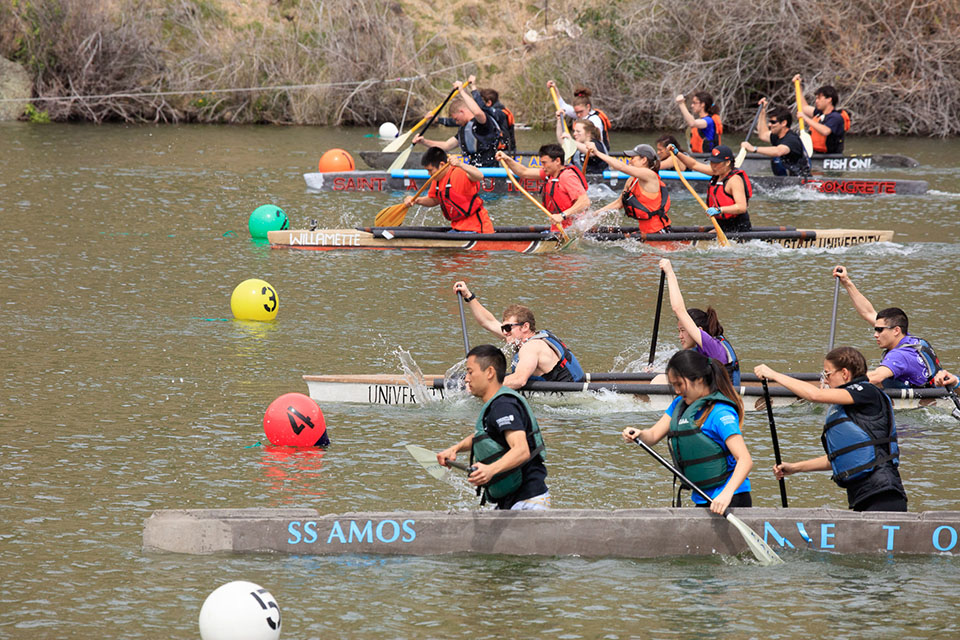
(787, 157)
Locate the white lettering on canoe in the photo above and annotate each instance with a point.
(324, 239)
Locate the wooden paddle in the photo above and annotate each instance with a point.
(761, 550)
(569, 146)
(656, 319)
(742, 155)
(428, 460)
(402, 157)
(804, 134)
(393, 215)
(463, 326)
(513, 179)
(776, 440)
(721, 236)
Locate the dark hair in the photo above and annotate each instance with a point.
(895, 317)
(848, 358)
(434, 156)
(668, 139)
(581, 97)
(490, 95)
(827, 91)
(522, 314)
(554, 151)
(488, 356)
(707, 100)
(782, 114)
(706, 320)
(693, 365)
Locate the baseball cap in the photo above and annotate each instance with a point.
(721, 153)
(644, 150)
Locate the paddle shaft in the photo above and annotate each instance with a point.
(833, 317)
(400, 210)
(463, 326)
(556, 103)
(721, 236)
(656, 319)
(442, 105)
(461, 466)
(513, 179)
(796, 86)
(776, 440)
(682, 478)
(742, 154)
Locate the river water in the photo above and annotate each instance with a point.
(128, 388)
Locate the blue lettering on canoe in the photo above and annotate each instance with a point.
(365, 532)
(386, 531)
(937, 538)
(890, 531)
(294, 529)
(309, 534)
(337, 531)
(826, 532)
(779, 539)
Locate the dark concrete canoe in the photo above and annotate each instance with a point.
(754, 162)
(496, 182)
(629, 533)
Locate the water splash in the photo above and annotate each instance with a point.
(634, 357)
(414, 376)
(454, 381)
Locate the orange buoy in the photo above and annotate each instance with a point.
(336, 160)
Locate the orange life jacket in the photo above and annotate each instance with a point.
(462, 206)
(820, 140)
(650, 212)
(699, 144)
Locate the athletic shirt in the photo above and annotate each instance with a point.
(795, 161)
(507, 414)
(906, 363)
(834, 141)
(561, 192)
(722, 423)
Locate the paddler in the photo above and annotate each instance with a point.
(908, 361)
(479, 136)
(704, 121)
(457, 192)
(564, 189)
(828, 123)
(506, 448)
(785, 150)
(859, 434)
(582, 108)
(702, 428)
(729, 191)
(583, 132)
(538, 355)
(662, 143)
(644, 197)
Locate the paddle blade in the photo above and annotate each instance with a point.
(740, 157)
(760, 549)
(401, 159)
(806, 140)
(399, 142)
(569, 148)
(428, 460)
(391, 216)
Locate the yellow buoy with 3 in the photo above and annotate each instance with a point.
(254, 299)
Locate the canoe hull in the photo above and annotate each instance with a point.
(628, 533)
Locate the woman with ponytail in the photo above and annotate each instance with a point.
(704, 123)
(701, 330)
(702, 427)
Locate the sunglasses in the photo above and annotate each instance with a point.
(881, 329)
(508, 327)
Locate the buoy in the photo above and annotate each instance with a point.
(265, 218)
(389, 130)
(336, 160)
(295, 420)
(254, 299)
(240, 610)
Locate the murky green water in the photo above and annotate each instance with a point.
(126, 389)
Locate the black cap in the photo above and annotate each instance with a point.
(721, 153)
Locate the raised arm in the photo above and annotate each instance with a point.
(689, 162)
(478, 114)
(688, 118)
(676, 303)
(483, 317)
(860, 302)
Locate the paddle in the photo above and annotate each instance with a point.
(956, 402)
(401, 159)
(463, 326)
(656, 319)
(721, 236)
(761, 550)
(393, 215)
(569, 146)
(513, 179)
(833, 318)
(742, 155)
(428, 460)
(804, 134)
(776, 441)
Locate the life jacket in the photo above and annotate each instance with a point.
(717, 195)
(820, 140)
(567, 369)
(605, 130)
(732, 365)
(653, 211)
(508, 141)
(931, 363)
(559, 201)
(699, 144)
(480, 150)
(457, 206)
(695, 454)
(487, 450)
(856, 444)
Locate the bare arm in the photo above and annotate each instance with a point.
(527, 361)
(860, 302)
(447, 145)
(478, 114)
(803, 389)
(738, 449)
(517, 168)
(813, 464)
(650, 436)
(450, 453)
(516, 455)
(691, 163)
(688, 118)
(878, 375)
(676, 303)
(483, 317)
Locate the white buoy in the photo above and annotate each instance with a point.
(531, 36)
(389, 130)
(240, 610)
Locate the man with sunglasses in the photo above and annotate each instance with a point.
(537, 355)
(786, 153)
(908, 361)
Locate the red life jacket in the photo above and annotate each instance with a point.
(697, 140)
(463, 206)
(559, 201)
(820, 140)
(651, 213)
(718, 197)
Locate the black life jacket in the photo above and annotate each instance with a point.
(480, 150)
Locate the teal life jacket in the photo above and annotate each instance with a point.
(694, 453)
(487, 450)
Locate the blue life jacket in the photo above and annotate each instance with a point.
(732, 365)
(856, 444)
(567, 368)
